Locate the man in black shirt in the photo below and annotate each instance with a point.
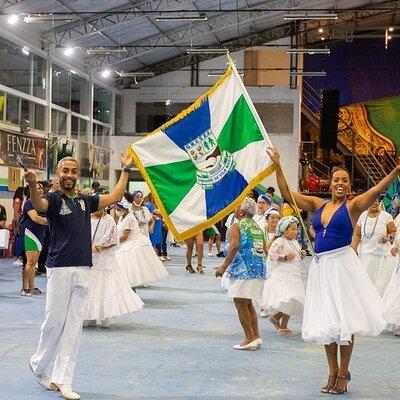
(68, 262)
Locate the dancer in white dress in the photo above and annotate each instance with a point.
(283, 290)
(341, 300)
(372, 238)
(109, 292)
(135, 254)
(263, 204)
(141, 213)
(391, 298)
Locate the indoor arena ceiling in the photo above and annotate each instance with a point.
(154, 35)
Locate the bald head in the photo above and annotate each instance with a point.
(67, 159)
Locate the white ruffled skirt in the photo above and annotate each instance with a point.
(340, 300)
(245, 288)
(140, 263)
(380, 269)
(109, 292)
(284, 290)
(391, 299)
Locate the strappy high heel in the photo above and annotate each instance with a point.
(330, 385)
(189, 269)
(200, 270)
(336, 390)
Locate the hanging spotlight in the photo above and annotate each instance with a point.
(13, 19)
(321, 30)
(68, 51)
(390, 29)
(25, 50)
(106, 73)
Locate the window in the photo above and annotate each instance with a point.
(2, 105)
(12, 109)
(79, 94)
(61, 87)
(21, 70)
(27, 114)
(118, 115)
(150, 116)
(58, 122)
(276, 117)
(40, 113)
(79, 129)
(101, 135)
(101, 104)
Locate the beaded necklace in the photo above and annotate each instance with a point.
(365, 225)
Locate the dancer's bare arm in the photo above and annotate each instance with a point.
(306, 203)
(365, 200)
(234, 242)
(356, 238)
(39, 204)
(116, 195)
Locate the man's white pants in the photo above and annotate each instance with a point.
(60, 335)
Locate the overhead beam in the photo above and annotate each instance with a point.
(8, 3)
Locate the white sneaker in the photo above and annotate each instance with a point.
(105, 323)
(68, 393)
(42, 379)
(18, 263)
(210, 255)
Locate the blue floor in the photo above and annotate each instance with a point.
(180, 347)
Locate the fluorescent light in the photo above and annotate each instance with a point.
(206, 51)
(101, 50)
(68, 51)
(167, 102)
(307, 73)
(308, 51)
(198, 17)
(73, 72)
(13, 19)
(307, 15)
(144, 74)
(32, 18)
(106, 73)
(25, 50)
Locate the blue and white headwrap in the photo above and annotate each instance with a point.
(284, 223)
(124, 203)
(271, 211)
(137, 192)
(265, 198)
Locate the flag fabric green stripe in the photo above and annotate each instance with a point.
(240, 129)
(171, 195)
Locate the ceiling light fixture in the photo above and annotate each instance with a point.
(101, 50)
(143, 74)
(25, 50)
(68, 51)
(307, 73)
(73, 72)
(106, 73)
(172, 17)
(321, 30)
(13, 19)
(309, 15)
(390, 29)
(192, 50)
(32, 18)
(308, 51)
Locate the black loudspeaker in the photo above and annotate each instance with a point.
(329, 118)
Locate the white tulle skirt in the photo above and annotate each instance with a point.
(340, 300)
(380, 269)
(391, 299)
(140, 263)
(245, 288)
(109, 292)
(224, 281)
(284, 290)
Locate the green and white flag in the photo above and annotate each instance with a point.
(203, 162)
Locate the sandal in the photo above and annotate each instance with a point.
(286, 333)
(168, 258)
(189, 269)
(200, 270)
(330, 385)
(336, 390)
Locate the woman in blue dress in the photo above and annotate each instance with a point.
(246, 271)
(341, 301)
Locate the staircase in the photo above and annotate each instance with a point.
(350, 142)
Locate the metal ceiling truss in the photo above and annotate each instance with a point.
(189, 33)
(96, 24)
(8, 3)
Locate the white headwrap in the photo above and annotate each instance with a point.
(284, 223)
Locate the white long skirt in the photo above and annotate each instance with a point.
(245, 288)
(391, 299)
(380, 269)
(340, 300)
(140, 263)
(284, 290)
(109, 292)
